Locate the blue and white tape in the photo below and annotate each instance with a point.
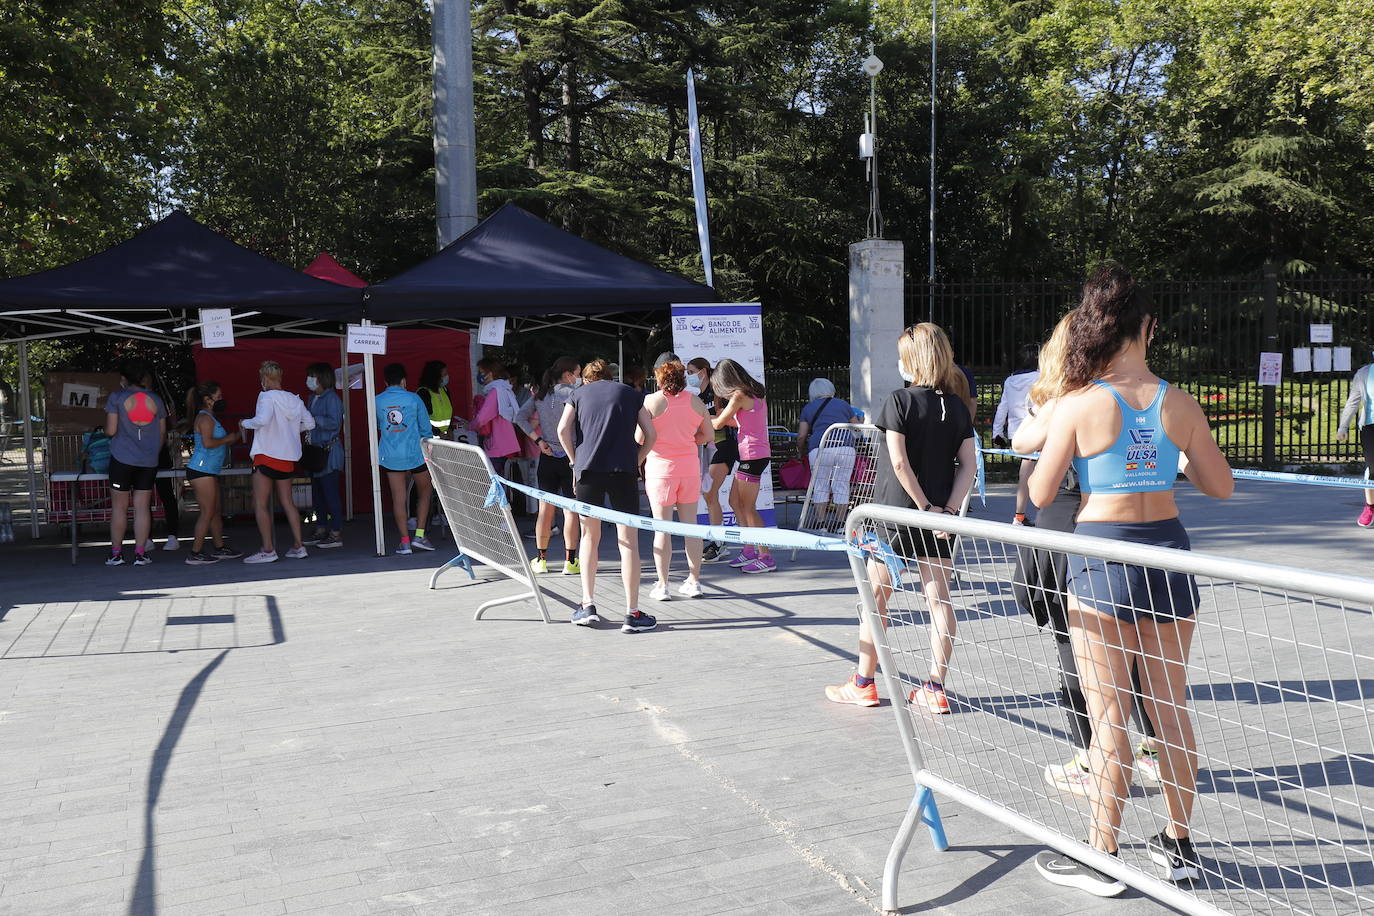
(1316, 480)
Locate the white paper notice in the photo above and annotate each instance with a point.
(368, 338)
(1322, 333)
(1271, 368)
(492, 331)
(1340, 359)
(1321, 359)
(80, 396)
(1302, 359)
(216, 328)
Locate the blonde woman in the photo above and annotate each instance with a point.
(928, 464)
(278, 421)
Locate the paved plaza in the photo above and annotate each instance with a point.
(329, 736)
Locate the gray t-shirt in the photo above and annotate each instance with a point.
(136, 441)
(607, 417)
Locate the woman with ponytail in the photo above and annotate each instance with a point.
(1123, 430)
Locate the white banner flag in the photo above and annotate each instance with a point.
(698, 177)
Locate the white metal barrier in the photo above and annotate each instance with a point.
(846, 465)
(480, 520)
(1278, 680)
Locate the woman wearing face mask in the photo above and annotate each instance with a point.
(495, 413)
(539, 415)
(210, 450)
(327, 409)
(433, 391)
(278, 421)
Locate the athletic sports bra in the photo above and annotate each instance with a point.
(753, 431)
(208, 460)
(1141, 460)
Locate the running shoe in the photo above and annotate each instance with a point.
(746, 556)
(850, 692)
(171, 543)
(200, 558)
(932, 695)
(1019, 519)
(330, 542)
(1072, 777)
(659, 592)
(115, 559)
(421, 543)
(1176, 858)
(690, 588)
(1366, 519)
(638, 622)
(572, 567)
(142, 559)
(1147, 763)
(586, 615)
(226, 553)
(540, 566)
(404, 550)
(262, 556)
(314, 539)
(1057, 868)
(715, 553)
(297, 553)
(760, 565)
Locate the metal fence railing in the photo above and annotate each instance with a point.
(842, 476)
(1276, 685)
(1211, 334)
(479, 517)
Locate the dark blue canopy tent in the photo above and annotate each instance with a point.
(513, 263)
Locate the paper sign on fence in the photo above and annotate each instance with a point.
(1271, 368)
(81, 396)
(1322, 333)
(367, 338)
(216, 328)
(1340, 359)
(1321, 359)
(1302, 359)
(492, 331)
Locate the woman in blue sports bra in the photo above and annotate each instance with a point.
(210, 450)
(1123, 430)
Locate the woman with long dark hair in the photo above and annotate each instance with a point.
(1123, 429)
(433, 391)
(746, 409)
(540, 415)
(209, 452)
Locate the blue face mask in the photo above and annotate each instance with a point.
(443, 382)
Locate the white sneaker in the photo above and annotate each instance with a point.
(297, 553)
(171, 543)
(659, 592)
(262, 556)
(690, 589)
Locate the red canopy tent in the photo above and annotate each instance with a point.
(325, 267)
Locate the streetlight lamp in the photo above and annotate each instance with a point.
(868, 145)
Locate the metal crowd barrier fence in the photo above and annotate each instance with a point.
(479, 517)
(1278, 681)
(846, 466)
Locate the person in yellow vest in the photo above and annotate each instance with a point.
(433, 391)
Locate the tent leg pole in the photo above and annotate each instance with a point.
(620, 357)
(26, 404)
(370, 384)
(347, 429)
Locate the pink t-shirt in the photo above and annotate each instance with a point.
(753, 431)
(675, 448)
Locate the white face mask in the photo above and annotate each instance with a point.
(694, 384)
(443, 382)
(905, 377)
(312, 384)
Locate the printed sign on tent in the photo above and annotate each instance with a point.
(726, 330)
(367, 338)
(492, 331)
(216, 328)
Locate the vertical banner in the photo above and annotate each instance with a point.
(725, 330)
(698, 177)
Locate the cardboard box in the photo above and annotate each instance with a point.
(76, 400)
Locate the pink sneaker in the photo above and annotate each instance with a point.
(760, 565)
(746, 556)
(1366, 519)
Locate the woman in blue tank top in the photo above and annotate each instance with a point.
(211, 449)
(1123, 430)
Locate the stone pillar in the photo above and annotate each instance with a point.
(876, 317)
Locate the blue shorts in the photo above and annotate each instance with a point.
(1131, 592)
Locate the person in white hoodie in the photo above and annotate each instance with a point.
(1011, 412)
(278, 422)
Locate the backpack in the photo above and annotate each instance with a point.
(95, 451)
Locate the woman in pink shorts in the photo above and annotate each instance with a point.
(672, 472)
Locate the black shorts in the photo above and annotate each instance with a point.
(273, 473)
(918, 544)
(727, 453)
(125, 477)
(422, 469)
(753, 469)
(554, 475)
(193, 474)
(1367, 443)
(621, 488)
